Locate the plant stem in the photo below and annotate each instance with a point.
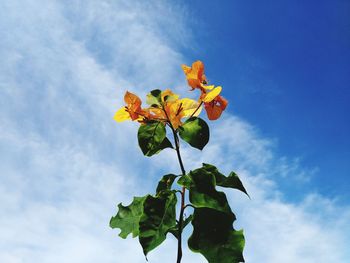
(196, 109)
(183, 190)
(179, 239)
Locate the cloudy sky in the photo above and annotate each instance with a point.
(65, 164)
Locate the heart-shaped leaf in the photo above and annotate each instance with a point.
(152, 138)
(215, 238)
(195, 131)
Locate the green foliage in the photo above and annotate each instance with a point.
(154, 98)
(165, 183)
(152, 138)
(128, 217)
(157, 219)
(231, 181)
(152, 217)
(201, 185)
(175, 229)
(214, 237)
(195, 131)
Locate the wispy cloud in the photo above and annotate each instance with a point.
(64, 163)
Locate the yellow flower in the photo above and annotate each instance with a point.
(132, 110)
(172, 109)
(179, 109)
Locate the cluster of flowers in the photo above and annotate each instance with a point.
(169, 108)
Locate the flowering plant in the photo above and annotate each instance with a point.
(152, 217)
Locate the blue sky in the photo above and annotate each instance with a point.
(285, 67)
(65, 163)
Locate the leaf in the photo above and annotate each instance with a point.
(157, 219)
(151, 137)
(185, 180)
(128, 217)
(166, 182)
(175, 230)
(195, 131)
(154, 98)
(215, 238)
(202, 192)
(231, 181)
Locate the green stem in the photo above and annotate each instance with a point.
(183, 190)
(196, 109)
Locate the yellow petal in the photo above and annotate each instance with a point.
(209, 87)
(186, 69)
(168, 95)
(188, 107)
(212, 94)
(121, 115)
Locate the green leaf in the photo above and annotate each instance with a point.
(231, 181)
(195, 131)
(202, 192)
(215, 238)
(154, 98)
(166, 182)
(185, 180)
(152, 138)
(175, 229)
(157, 219)
(128, 217)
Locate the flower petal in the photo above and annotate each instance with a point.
(213, 112)
(121, 115)
(208, 87)
(168, 95)
(186, 69)
(212, 94)
(132, 100)
(189, 106)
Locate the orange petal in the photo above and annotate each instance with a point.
(198, 69)
(186, 69)
(132, 100)
(213, 112)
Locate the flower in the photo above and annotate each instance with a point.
(195, 75)
(215, 107)
(132, 110)
(214, 104)
(172, 109)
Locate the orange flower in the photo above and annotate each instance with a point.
(179, 109)
(195, 75)
(132, 110)
(167, 107)
(215, 107)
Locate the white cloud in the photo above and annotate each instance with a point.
(65, 164)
